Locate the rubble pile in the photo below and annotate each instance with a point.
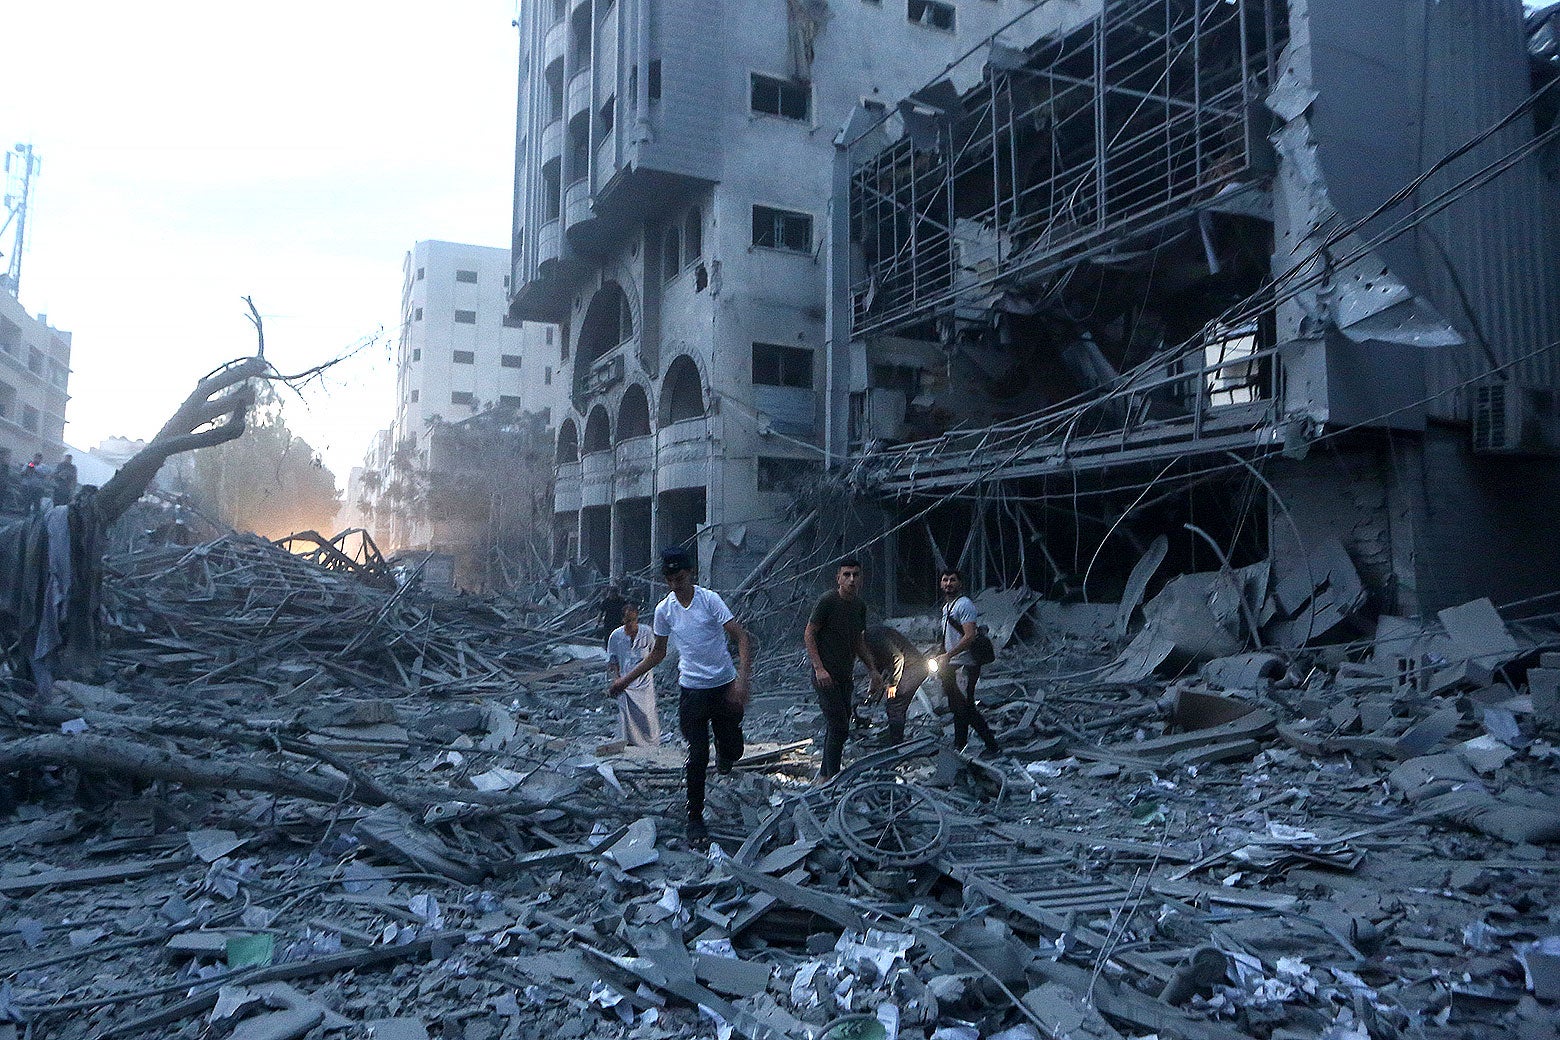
(303, 806)
(241, 612)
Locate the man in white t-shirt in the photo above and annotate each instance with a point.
(629, 644)
(713, 691)
(959, 671)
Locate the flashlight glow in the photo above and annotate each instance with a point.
(931, 664)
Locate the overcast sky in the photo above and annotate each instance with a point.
(194, 153)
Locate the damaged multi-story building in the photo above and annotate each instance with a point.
(1278, 281)
(34, 378)
(673, 172)
(474, 388)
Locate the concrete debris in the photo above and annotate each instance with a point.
(308, 806)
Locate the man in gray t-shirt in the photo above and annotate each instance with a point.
(957, 666)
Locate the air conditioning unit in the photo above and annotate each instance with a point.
(606, 374)
(1516, 420)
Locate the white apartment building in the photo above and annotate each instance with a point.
(674, 162)
(34, 374)
(459, 354)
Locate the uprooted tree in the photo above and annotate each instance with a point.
(51, 564)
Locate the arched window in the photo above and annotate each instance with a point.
(633, 414)
(693, 236)
(608, 321)
(568, 442)
(598, 431)
(682, 392)
(671, 254)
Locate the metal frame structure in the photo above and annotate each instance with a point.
(1060, 151)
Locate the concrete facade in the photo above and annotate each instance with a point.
(34, 377)
(673, 167)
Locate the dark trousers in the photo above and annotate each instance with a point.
(699, 712)
(900, 695)
(959, 687)
(835, 703)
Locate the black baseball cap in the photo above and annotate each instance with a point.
(675, 558)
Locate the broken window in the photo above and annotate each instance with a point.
(417, 353)
(465, 317)
(461, 397)
(465, 357)
(510, 361)
(30, 418)
(466, 276)
(654, 80)
(414, 396)
(608, 115)
(788, 99)
(417, 314)
(509, 401)
(782, 229)
(1232, 375)
(933, 14)
(776, 365)
(780, 474)
(419, 274)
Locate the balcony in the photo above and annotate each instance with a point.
(606, 159)
(584, 230)
(682, 460)
(552, 142)
(549, 244)
(635, 457)
(554, 43)
(576, 204)
(596, 479)
(566, 489)
(578, 100)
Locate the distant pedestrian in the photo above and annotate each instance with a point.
(34, 483)
(631, 643)
(835, 639)
(64, 481)
(957, 665)
(609, 612)
(713, 692)
(903, 668)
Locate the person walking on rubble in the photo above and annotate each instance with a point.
(957, 665)
(609, 611)
(903, 669)
(835, 638)
(34, 483)
(64, 482)
(629, 644)
(713, 692)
